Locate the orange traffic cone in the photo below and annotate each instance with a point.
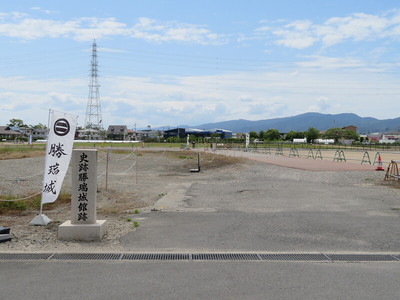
(379, 168)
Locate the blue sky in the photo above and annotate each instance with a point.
(166, 63)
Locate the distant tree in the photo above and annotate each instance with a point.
(39, 126)
(16, 122)
(261, 135)
(289, 136)
(294, 135)
(350, 135)
(311, 134)
(333, 133)
(253, 135)
(339, 133)
(272, 135)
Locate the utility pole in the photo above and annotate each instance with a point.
(135, 133)
(93, 120)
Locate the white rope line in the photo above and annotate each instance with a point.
(209, 161)
(98, 176)
(212, 159)
(123, 173)
(25, 177)
(99, 160)
(164, 152)
(11, 200)
(41, 172)
(125, 156)
(178, 162)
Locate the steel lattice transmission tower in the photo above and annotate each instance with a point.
(93, 120)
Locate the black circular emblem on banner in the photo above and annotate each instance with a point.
(61, 127)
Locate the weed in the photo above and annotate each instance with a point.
(136, 211)
(128, 219)
(135, 224)
(162, 195)
(32, 203)
(20, 151)
(185, 157)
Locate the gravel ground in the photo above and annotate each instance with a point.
(134, 182)
(154, 175)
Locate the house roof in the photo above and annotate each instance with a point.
(117, 128)
(7, 130)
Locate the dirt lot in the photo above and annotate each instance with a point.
(135, 182)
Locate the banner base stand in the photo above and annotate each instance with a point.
(40, 220)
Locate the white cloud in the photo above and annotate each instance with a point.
(302, 34)
(46, 11)
(21, 26)
(332, 62)
(323, 84)
(321, 105)
(155, 31)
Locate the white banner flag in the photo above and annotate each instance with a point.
(247, 140)
(58, 154)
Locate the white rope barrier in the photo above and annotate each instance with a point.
(209, 161)
(99, 160)
(41, 172)
(11, 200)
(98, 176)
(164, 152)
(123, 173)
(178, 162)
(23, 178)
(117, 159)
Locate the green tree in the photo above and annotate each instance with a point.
(339, 133)
(350, 135)
(16, 122)
(311, 134)
(40, 126)
(261, 135)
(253, 135)
(294, 135)
(333, 133)
(272, 135)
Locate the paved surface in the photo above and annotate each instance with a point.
(198, 280)
(270, 208)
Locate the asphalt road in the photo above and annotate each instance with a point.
(198, 280)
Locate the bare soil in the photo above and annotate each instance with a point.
(135, 182)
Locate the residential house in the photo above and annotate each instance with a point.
(117, 132)
(6, 133)
(350, 128)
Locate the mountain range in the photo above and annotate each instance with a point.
(304, 121)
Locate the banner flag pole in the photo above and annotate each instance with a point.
(59, 147)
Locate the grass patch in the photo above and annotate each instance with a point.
(135, 224)
(136, 211)
(31, 204)
(185, 157)
(21, 151)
